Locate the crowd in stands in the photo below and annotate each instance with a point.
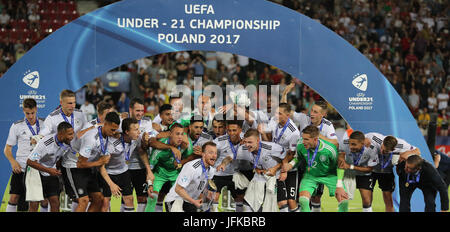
(408, 41)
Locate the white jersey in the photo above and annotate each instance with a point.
(120, 155)
(193, 179)
(368, 158)
(224, 149)
(286, 136)
(20, 135)
(204, 138)
(326, 128)
(93, 122)
(47, 152)
(145, 125)
(260, 117)
(89, 147)
(56, 117)
(385, 161)
(270, 154)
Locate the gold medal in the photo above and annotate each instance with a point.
(179, 166)
(407, 184)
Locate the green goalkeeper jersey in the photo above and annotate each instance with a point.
(324, 162)
(162, 161)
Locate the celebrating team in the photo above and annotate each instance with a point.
(269, 161)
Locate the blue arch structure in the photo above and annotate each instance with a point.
(95, 43)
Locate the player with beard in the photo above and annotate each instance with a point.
(192, 180)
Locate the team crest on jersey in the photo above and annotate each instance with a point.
(323, 158)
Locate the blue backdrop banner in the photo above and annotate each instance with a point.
(128, 30)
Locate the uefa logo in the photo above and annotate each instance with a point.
(32, 79)
(360, 82)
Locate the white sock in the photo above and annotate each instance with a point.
(74, 206)
(215, 207)
(239, 207)
(315, 207)
(367, 209)
(159, 207)
(295, 210)
(44, 209)
(11, 208)
(128, 209)
(140, 207)
(122, 206)
(284, 208)
(247, 208)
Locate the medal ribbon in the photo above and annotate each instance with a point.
(358, 157)
(31, 128)
(179, 148)
(233, 148)
(67, 120)
(255, 162)
(103, 146)
(127, 155)
(282, 131)
(311, 161)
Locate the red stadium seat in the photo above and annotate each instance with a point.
(42, 4)
(61, 5)
(14, 35)
(14, 23)
(63, 15)
(74, 15)
(23, 24)
(56, 24)
(51, 5)
(71, 6)
(44, 24)
(44, 14)
(26, 35)
(3, 33)
(53, 14)
(35, 36)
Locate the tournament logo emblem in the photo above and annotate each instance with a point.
(360, 82)
(32, 79)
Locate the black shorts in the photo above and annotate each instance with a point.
(222, 181)
(365, 182)
(288, 189)
(79, 182)
(139, 181)
(17, 184)
(50, 186)
(386, 181)
(123, 180)
(187, 207)
(319, 190)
